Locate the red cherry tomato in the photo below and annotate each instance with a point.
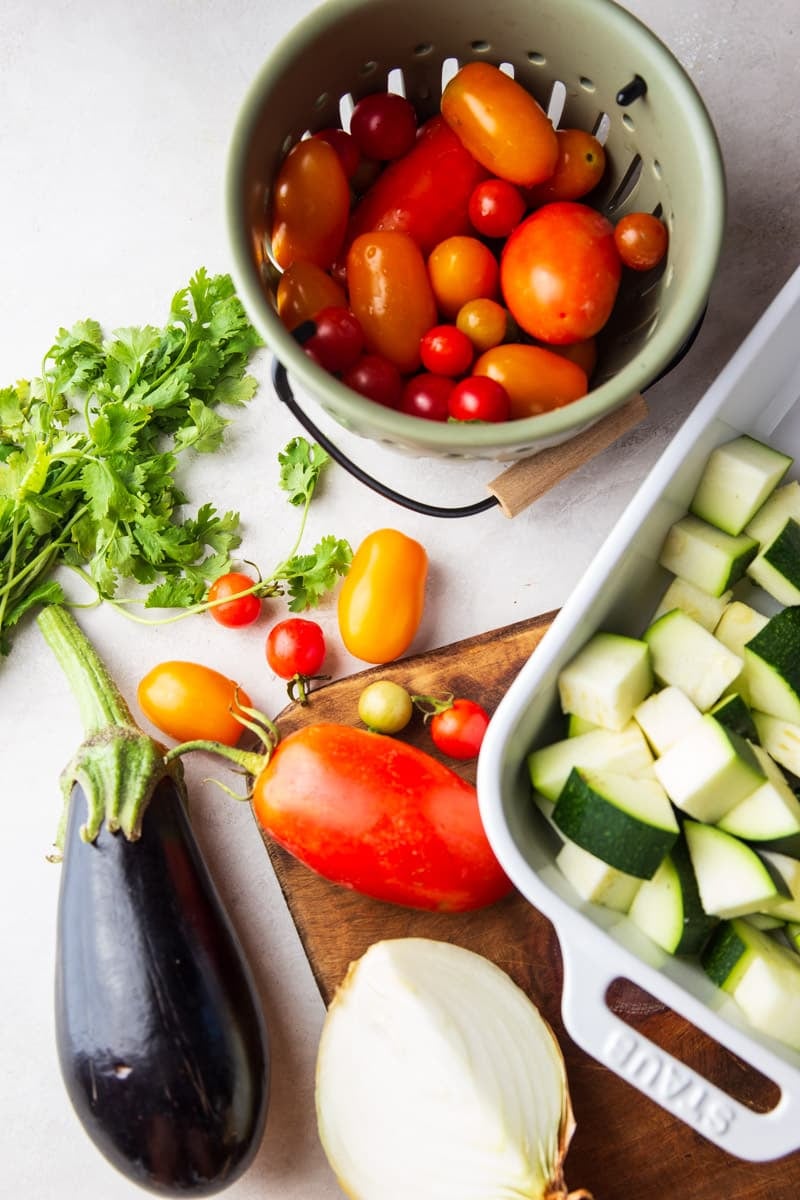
(383, 125)
(345, 146)
(496, 207)
(229, 607)
(427, 396)
(579, 168)
(311, 205)
(479, 398)
(560, 271)
(445, 350)
(390, 295)
(457, 726)
(296, 651)
(338, 340)
(374, 377)
(461, 269)
(641, 240)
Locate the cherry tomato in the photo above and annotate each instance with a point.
(229, 607)
(579, 168)
(582, 353)
(479, 398)
(458, 729)
(188, 701)
(485, 322)
(379, 816)
(445, 350)
(496, 207)
(383, 125)
(426, 395)
(296, 651)
(500, 124)
(303, 290)
(345, 146)
(641, 240)
(385, 706)
(461, 269)
(382, 598)
(311, 205)
(537, 380)
(338, 341)
(560, 271)
(425, 193)
(375, 377)
(390, 295)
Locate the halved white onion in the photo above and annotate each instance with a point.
(438, 1079)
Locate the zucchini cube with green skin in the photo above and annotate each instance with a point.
(595, 880)
(709, 770)
(780, 739)
(699, 605)
(732, 710)
(776, 568)
(736, 481)
(665, 716)
(772, 667)
(771, 812)
(705, 556)
(773, 515)
(628, 823)
(793, 935)
(760, 974)
(606, 679)
(738, 624)
(625, 750)
(787, 869)
(732, 879)
(668, 909)
(687, 656)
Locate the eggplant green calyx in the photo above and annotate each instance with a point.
(118, 766)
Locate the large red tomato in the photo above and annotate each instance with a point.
(560, 272)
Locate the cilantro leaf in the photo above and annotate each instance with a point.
(310, 576)
(301, 465)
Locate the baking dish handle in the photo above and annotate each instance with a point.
(717, 1116)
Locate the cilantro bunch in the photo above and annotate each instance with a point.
(88, 454)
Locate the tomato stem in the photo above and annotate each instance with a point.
(429, 706)
(297, 687)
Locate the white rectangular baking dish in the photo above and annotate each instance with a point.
(758, 392)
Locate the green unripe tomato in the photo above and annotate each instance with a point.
(385, 706)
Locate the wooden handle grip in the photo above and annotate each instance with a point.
(518, 486)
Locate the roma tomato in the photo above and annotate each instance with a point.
(537, 380)
(382, 598)
(304, 290)
(641, 240)
(232, 603)
(391, 296)
(310, 205)
(374, 377)
(560, 272)
(383, 125)
(462, 269)
(188, 701)
(479, 398)
(425, 193)
(500, 124)
(379, 816)
(579, 168)
(446, 350)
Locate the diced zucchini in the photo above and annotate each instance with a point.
(733, 711)
(625, 751)
(699, 605)
(765, 922)
(774, 513)
(738, 624)
(687, 656)
(737, 479)
(761, 975)
(786, 871)
(732, 878)
(705, 556)
(665, 716)
(780, 739)
(771, 811)
(793, 934)
(628, 823)
(709, 770)
(577, 725)
(776, 568)
(595, 880)
(606, 680)
(772, 666)
(668, 909)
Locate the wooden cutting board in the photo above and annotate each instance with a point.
(625, 1145)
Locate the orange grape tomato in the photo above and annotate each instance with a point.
(187, 700)
(461, 269)
(582, 353)
(382, 598)
(641, 240)
(304, 290)
(391, 296)
(537, 380)
(579, 168)
(560, 272)
(484, 321)
(310, 205)
(500, 124)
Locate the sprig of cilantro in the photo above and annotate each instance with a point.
(88, 453)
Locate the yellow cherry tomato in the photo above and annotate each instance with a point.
(383, 595)
(186, 701)
(484, 321)
(461, 269)
(537, 380)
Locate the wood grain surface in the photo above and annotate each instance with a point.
(625, 1145)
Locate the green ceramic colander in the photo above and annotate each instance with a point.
(590, 64)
